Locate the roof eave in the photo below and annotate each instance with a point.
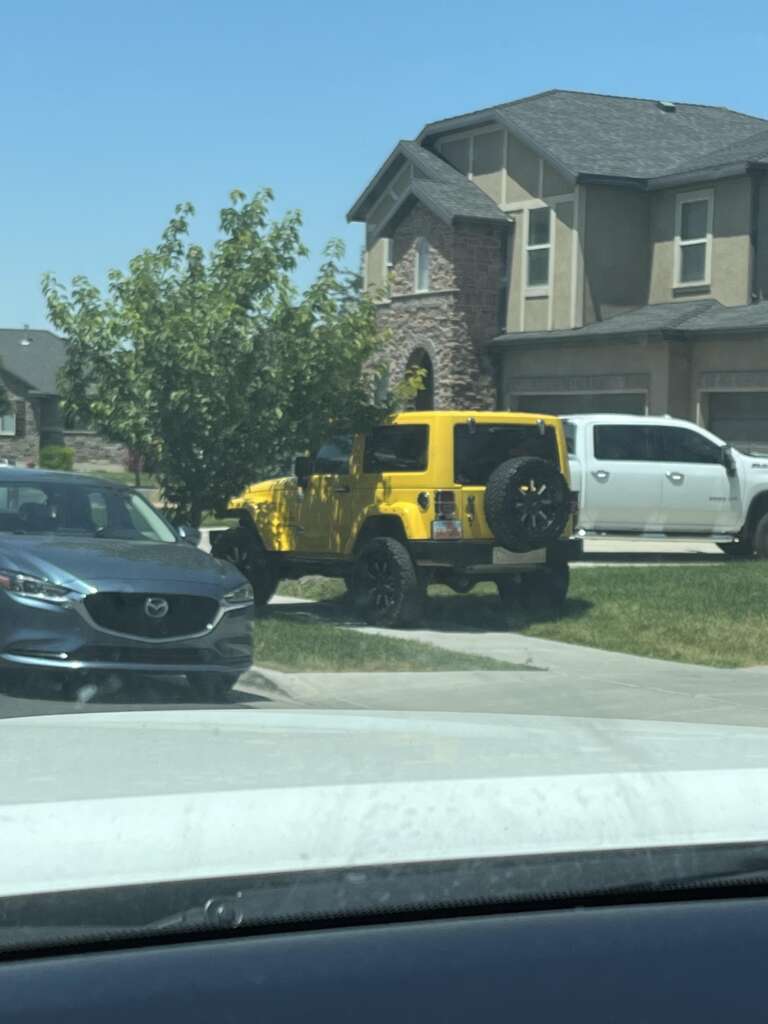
(360, 207)
(701, 174)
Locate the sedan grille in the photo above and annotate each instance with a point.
(154, 616)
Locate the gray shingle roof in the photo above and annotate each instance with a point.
(36, 364)
(752, 148)
(447, 192)
(698, 316)
(448, 201)
(618, 136)
(731, 318)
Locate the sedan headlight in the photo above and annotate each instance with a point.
(243, 595)
(21, 585)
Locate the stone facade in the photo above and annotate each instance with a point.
(451, 320)
(37, 424)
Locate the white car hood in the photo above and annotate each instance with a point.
(106, 799)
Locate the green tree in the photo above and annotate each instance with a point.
(211, 365)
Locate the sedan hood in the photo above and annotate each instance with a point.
(100, 800)
(94, 560)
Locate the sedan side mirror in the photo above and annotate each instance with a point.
(302, 469)
(189, 535)
(728, 460)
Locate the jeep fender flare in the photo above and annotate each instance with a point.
(400, 521)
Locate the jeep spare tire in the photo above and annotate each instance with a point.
(527, 503)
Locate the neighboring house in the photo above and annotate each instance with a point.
(29, 365)
(572, 252)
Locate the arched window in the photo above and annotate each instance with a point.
(422, 265)
(425, 398)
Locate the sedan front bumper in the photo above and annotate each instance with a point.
(62, 639)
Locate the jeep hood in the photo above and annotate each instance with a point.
(133, 797)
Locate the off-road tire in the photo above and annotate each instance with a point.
(527, 503)
(509, 590)
(386, 587)
(543, 591)
(243, 548)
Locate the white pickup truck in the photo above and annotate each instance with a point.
(660, 478)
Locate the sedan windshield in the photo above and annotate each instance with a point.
(79, 509)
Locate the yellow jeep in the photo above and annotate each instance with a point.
(428, 497)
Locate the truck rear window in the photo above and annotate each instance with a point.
(480, 447)
(399, 449)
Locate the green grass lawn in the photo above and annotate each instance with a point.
(294, 643)
(701, 614)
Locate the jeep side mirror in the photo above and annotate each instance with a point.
(302, 469)
(728, 460)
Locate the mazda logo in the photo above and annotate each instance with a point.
(156, 607)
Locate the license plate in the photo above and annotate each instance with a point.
(502, 556)
(446, 529)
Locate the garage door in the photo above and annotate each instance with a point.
(740, 417)
(564, 405)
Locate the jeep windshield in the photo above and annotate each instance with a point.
(79, 509)
(478, 448)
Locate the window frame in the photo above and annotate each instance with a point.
(12, 416)
(422, 264)
(682, 199)
(650, 438)
(366, 453)
(533, 290)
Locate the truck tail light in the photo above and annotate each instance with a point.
(574, 505)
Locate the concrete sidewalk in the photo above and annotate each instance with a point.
(561, 679)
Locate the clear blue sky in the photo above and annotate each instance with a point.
(112, 113)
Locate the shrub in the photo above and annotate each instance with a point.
(56, 456)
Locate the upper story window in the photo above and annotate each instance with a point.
(422, 265)
(389, 252)
(538, 244)
(693, 238)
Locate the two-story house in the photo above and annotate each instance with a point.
(575, 252)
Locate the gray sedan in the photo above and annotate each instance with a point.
(95, 585)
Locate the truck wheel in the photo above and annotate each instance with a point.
(740, 550)
(386, 587)
(243, 548)
(760, 536)
(543, 592)
(527, 503)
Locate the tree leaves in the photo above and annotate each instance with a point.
(210, 364)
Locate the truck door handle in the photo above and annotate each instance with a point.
(676, 478)
(601, 475)
(341, 489)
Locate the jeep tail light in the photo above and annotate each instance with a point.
(446, 525)
(445, 504)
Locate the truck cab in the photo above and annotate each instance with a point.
(660, 477)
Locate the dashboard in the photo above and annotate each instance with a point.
(702, 960)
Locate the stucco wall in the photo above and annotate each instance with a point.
(562, 266)
(762, 242)
(616, 251)
(488, 163)
(730, 246)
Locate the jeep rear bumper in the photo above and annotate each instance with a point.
(474, 556)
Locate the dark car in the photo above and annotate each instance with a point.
(95, 584)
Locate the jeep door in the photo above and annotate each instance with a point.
(320, 528)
